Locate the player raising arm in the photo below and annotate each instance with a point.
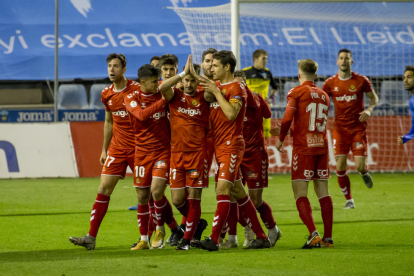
(226, 116)
(308, 106)
(409, 86)
(118, 148)
(347, 90)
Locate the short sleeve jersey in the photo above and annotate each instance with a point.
(348, 97)
(189, 117)
(309, 129)
(253, 123)
(153, 133)
(229, 134)
(114, 102)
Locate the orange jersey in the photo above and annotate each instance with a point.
(256, 110)
(348, 97)
(122, 136)
(309, 131)
(229, 134)
(153, 131)
(189, 121)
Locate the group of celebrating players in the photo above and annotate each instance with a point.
(168, 132)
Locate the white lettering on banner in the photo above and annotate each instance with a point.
(132, 40)
(290, 37)
(93, 44)
(189, 111)
(10, 46)
(158, 39)
(34, 117)
(49, 41)
(339, 39)
(275, 159)
(346, 98)
(253, 37)
(80, 116)
(75, 41)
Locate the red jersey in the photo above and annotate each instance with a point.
(114, 101)
(189, 117)
(151, 131)
(256, 110)
(309, 131)
(228, 134)
(348, 97)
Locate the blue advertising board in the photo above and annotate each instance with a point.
(47, 115)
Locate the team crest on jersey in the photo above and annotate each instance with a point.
(223, 91)
(352, 88)
(264, 75)
(133, 104)
(195, 103)
(160, 164)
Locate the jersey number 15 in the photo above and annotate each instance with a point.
(317, 111)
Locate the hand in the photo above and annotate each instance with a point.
(279, 145)
(400, 140)
(180, 86)
(210, 86)
(191, 67)
(102, 159)
(273, 92)
(364, 115)
(188, 65)
(275, 131)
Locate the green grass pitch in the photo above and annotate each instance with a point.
(38, 215)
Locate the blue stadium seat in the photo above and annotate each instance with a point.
(319, 84)
(393, 93)
(95, 96)
(72, 96)
(286, 88)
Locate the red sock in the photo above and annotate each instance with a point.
(98, 213)
(160, 207)
(305, 213)
(168, 215)
(266, 215)
(224, 231)
(193, 218)
(327, 215)
(233, 218)
(242, 220)
(184, 208)
(220, 217)
(344, 184)
(183, 220)
(152, 219)
(249, 212)
(143, 215)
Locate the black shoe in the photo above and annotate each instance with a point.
(207, 244)
(201, 226)
(184, 245)
(182, 226)
(176, 237)
(259, 244)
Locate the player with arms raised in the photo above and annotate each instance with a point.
(226, 116)
(308, 106)
(347, 90)
(118, 148)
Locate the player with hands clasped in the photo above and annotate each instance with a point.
(409, 86)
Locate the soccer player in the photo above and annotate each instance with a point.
(409, 86)
(152, 154)
(347, 90)
(189, 118)
(226, 116)
(308, 106)
(258, 79)
(118, 148)
(155, 60)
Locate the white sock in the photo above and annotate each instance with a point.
(161, 228)
(233, 237)
(144, 237)
(350, 200)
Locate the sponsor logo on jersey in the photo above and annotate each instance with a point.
(133, 104)
(336, 89)
(193, 173)
(323, 173)
(183, 99)
(195, 103)
(215, 105)
(121, 113)
(315, 140)
(352, 88)
(346, 98)
(308, 173)
(251, 175)
(189, 111)
(158, 115)
(160, 164)
(359, 145)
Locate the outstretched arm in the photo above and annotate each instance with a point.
(144, 113)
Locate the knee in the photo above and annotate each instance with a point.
(142, 199)
(105, 189)
(361, 168)
(178, 202)
(257, 201)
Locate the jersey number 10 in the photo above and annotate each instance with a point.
(317, 111)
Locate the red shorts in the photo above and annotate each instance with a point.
(309, 167)
(254, 169)
(150, 165)
(189, 170)
(228, 164)
(210, 151)
(345, 139)
(117, 161)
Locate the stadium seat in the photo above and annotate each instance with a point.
(393, 93)
(286, 88)
(72, 96)
(95, 96)
(319, 84)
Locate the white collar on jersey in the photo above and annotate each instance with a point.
(148, 95)
(226, 83)
(346, 78)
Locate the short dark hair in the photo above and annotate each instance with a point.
(147, 71)
(121, 58)
(155, 58)
(258, 53)
(208, 51)
(226, 57)
(345, 51)
(308, 66)
(197, 68)
(409, 68)
(168, 59)
(240, 73)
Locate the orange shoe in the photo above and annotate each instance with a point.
(314, 241)
(328, 243)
